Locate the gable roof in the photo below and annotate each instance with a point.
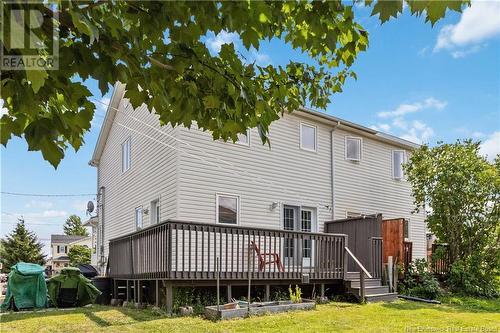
(119, 91)
(66, 238)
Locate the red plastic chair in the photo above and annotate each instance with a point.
(275, 259)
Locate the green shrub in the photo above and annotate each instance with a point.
(420, 282)
(471, 277)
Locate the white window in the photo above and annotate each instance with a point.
(126, 155)
(61, 249)
(398, 159)
(227, 210)
(406, 228)
(244, 139)
(308, 139)
(138, 217)
(353, 148)
(155, 211)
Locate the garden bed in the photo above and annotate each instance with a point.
(242, 309)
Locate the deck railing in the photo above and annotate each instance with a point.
(178, 250)
(375, 258)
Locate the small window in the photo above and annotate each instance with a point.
(406, 229)
(126, 155)
(308, 137)
(244, 139)
(61, 249)
(227, 209)
(398, 159)
(353, 148)
(155, 211)
(138, 217)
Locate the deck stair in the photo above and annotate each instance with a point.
(374, 290)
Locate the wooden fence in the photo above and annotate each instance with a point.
(440, 259)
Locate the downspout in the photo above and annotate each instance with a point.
(332, 163)
(101, 233)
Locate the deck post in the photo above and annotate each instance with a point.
(362, 286)
(157, 293)
(346, 257)
(169, 301)
(229, 293)
(115, 288)
(139, 292)
(127, 294)
(268, 293)
(322, 290)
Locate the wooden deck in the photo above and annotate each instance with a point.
(180, 251)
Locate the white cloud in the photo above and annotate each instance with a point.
(39, 204)
(381, 127)
(215, 43)
(477, 24)
(491, 146)
(260, 58)
(418, 132)
(2, 109)
(80, 206)
(403, 109)
(463, 53)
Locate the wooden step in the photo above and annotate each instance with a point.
(368, 283)
(385, 297)
(372, 290)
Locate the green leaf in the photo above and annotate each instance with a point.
(211, 102)
(387, 9)
(37, 78)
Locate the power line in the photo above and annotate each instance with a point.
(48, 195)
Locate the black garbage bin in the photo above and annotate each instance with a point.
(104, 286)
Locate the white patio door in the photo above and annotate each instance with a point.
(299, 219)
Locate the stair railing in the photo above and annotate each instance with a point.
(362, 273)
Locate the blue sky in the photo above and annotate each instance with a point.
(422, 83)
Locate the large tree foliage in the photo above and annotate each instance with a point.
(20, 245)
(74, 226)
(157, 49)
(462, 191)
(79, 254)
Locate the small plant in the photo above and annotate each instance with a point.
(295, 296)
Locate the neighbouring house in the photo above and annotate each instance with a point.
(59, 248)
(175, 206)
(92, 222)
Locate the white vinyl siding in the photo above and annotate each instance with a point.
(228, 209)
(138, 218)
(126, 158)
(368, 187)
(398, 159)
(353, 147)
(153, 175)
(308, 137)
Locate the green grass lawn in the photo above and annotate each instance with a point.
(401, 316)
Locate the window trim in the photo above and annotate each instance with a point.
(238, 207)
(347, 137)
(129, 141)
(154, 213)
(303, 123)
(392, 164)
(407, 221)
(142, 218)
(247, 144)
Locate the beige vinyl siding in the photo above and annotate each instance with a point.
(152, 173)
(367, 187)
(259, 175)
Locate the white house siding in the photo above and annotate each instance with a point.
(152, 174)
(259, 175)
(367, 187)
